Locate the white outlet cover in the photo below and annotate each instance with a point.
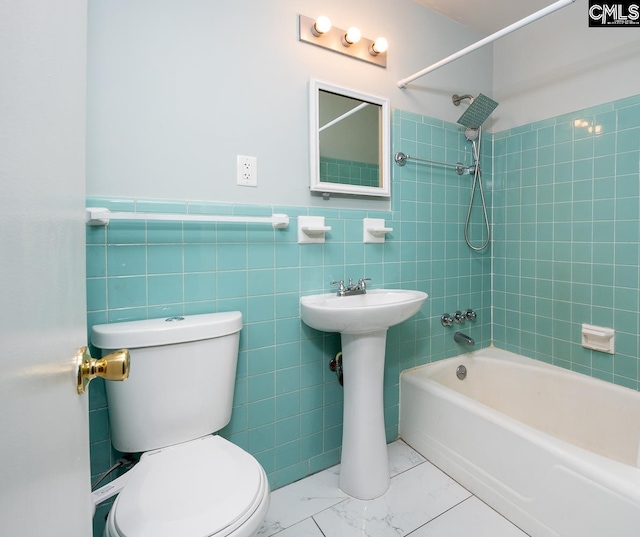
(247, 170)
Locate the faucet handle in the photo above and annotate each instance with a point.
(446, 319)
(362, 282)
(341, 287)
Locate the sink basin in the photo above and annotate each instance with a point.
(378, 309)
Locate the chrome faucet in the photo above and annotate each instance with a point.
(358, 288)
(463, 339)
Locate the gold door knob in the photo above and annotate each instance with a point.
(114, 366)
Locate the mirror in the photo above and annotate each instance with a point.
(349, 141)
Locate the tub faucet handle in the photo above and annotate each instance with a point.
(458, 317)
(446, 320)
(470, 315)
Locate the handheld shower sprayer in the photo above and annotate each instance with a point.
(471, 133)
(475, 115)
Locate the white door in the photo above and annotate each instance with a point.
(44, 442)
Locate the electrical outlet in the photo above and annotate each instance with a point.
(247, 169)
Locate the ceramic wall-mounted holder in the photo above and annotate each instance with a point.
(311, 229)
(374, 230)
(599, 338)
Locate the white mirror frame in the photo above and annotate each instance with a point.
(317, 185)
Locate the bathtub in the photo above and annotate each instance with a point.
(555, 452)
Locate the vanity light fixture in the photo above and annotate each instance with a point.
(350, 42)
(379, 46)
(352, 36)
(321, 26)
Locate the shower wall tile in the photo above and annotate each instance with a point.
(288, 405)
(573, 257)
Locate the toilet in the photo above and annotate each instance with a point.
(188, 482)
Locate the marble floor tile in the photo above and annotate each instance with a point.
(305, 498)
(300, 500)
(402, 457)
(306, 528)
(471, 517)
(421, 502)
(414, 497)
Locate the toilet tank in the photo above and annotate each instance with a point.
(181, 381)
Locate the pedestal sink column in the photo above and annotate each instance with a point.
(364, 471)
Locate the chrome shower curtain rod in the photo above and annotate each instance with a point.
(489, 39)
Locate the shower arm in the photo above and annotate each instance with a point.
(489, 39)
(457, 99)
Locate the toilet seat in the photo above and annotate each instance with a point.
(202, 488)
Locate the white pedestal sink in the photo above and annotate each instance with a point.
(363, 321)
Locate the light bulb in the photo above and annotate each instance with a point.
(352, 36)
(379, 46)
(321, 26)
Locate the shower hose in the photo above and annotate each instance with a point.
(477, 182)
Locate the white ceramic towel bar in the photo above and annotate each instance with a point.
(98, 216)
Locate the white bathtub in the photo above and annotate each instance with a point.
(555, 452)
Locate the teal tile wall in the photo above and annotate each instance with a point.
(567, 228)
(349, 172)
(288, 405)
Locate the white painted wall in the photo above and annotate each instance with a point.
(177, 89)
(558, 65)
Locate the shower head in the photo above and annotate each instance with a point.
(478, 112)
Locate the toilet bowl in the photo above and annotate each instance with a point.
(202, 488)
(188, 482)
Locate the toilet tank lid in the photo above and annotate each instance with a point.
(154, 332)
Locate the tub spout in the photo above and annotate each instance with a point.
(463, 339)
